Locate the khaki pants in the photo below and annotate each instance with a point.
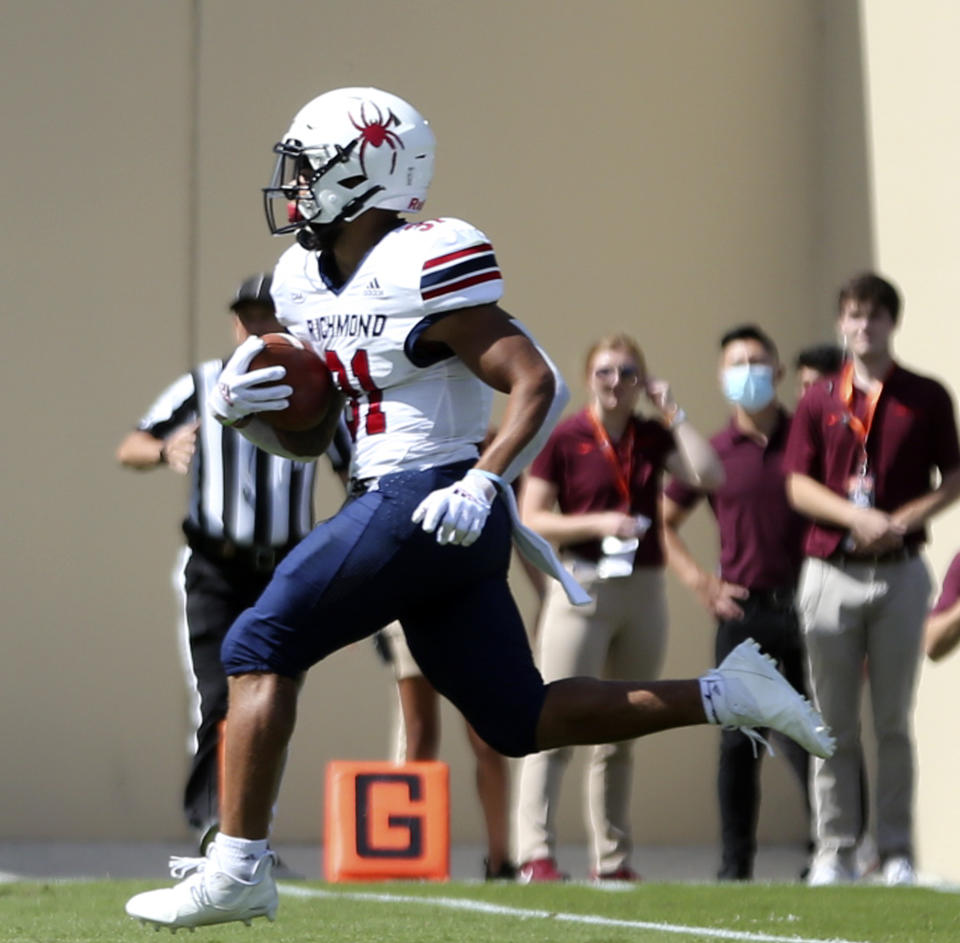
(621, 635)
(850, 612)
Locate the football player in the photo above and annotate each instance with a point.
(406, 316)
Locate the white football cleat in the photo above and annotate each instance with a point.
(207, 895)
(745, 691)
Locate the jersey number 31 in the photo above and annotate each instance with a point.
(375, 422)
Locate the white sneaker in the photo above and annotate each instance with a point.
(829, 871)
(747, 691)
(898, 872)
(207, 895)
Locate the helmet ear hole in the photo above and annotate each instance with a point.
(329, 202)
(351, 183)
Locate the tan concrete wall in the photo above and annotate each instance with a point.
(668, 168)
(912, 79)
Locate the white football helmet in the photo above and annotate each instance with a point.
(347, 151)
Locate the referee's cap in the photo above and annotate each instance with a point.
(254, 290)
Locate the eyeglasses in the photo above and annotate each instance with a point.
(628, 375)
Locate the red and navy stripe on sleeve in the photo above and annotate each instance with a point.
(452, 273)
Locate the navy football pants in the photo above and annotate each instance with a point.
(369, 565)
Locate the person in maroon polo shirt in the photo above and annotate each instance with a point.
(861, 452)
(814, 362)
(942, 629)
(594, 490)
(752, 594)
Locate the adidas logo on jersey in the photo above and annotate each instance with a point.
(372, 288)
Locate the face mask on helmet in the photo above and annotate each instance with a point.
(348, 151)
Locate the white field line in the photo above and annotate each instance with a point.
(478, 906)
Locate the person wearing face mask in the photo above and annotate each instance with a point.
(593, 490)
(752, 592)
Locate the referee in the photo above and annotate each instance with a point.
(247, 510)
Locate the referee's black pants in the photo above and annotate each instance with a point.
(775, 627)
(216, 591)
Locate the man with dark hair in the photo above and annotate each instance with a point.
(752, 593)
(871, 291)
(750, 332)
(813, 363)
(859, 460)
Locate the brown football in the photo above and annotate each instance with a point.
(312, 383)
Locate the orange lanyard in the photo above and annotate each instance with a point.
(860, 427)
(622, 469)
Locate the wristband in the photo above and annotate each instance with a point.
(496, 479)
(497, 483)
(162, 457)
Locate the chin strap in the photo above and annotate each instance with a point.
(308, 239)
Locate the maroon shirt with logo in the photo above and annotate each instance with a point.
(586, 482)
(761, 536)
(950, 591)
(913, 432)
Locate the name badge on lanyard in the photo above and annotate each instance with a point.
(861, 487)
(618, 554)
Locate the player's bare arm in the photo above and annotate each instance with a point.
(500, 352)
(303, 445)
(492, 345)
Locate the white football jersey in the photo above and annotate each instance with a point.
(406, 410)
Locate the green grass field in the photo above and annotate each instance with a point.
(92, 912)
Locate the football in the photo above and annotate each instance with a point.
(312, 383)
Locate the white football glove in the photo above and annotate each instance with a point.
(238, 393)
(460, 510)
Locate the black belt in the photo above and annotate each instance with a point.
(780, 597)
(898, 555)
(257, 557)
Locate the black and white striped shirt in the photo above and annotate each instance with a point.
(238, 491)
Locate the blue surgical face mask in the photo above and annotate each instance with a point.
(749, 385)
